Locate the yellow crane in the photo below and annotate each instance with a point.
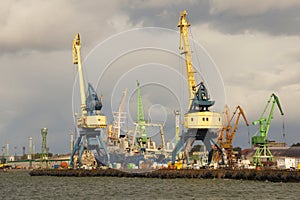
(199, 119)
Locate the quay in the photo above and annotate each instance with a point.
(245, 174)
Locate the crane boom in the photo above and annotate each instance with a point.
(77, 60)
(265, 123)
(230, 136)
(184, 45)
(120, 111)
(90, 115)
(123, 100)
(140, 115)
(276, 100)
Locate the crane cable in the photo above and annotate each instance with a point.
(85, 74)
(198, 60)
(195, 50)
(283, 129)
(249, 142)
(181, 71)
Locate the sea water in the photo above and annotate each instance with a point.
(20, 185)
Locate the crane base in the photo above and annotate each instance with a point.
(202, 120)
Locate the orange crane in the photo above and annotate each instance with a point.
(229, 132)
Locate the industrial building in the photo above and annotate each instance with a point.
(284, 157)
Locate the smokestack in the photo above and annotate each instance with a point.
(7, 151)
(71, 141)
(30, 148)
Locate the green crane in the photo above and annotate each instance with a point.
(140, 117)
(263, 152)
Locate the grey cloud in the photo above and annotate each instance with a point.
(167, 16)
(272, 21)
(47, 25)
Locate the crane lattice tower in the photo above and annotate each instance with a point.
(44, 154)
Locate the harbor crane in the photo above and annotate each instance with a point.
(262, 153)
(140, 134)
(199, 120)
(227, 135)
(90, 122)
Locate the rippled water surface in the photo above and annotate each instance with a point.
(19, 185)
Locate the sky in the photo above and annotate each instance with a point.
(254, 44)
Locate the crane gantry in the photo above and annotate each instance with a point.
(199, 120)
(90, 122)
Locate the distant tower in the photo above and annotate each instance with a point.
(15, 151)
(30, 148)
(177, 124)
(23, 150)
(72, 141)
(29, 156)
(44, 154)
(7, 151)
(33, 149)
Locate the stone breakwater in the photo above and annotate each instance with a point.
(258, 175)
